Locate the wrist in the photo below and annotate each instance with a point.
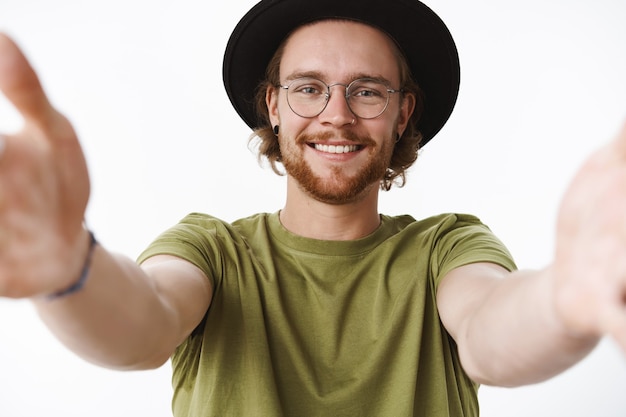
(78, 283)
(567, 309)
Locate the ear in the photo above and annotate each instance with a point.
(407, 107)
(271, 100)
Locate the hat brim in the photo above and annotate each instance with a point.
(421, 35)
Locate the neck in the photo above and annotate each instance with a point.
(308, 217)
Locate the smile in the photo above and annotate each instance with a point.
(336, 148)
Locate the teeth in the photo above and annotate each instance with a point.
(336, 148)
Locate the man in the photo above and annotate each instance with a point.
(326, 307)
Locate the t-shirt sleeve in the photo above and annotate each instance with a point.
(196, 239)
(462, 240)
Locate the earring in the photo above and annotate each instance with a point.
(276, 129)
(398, 137)
(353, 121)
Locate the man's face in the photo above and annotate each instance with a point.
(338, 52)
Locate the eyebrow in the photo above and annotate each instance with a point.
(320, 76)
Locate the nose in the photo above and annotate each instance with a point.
(337, 112)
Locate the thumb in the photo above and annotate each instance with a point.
(619, 144)
(614, 152)
(20, 85)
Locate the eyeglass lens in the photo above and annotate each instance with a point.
(366, 98)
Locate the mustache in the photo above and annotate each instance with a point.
(305, 138)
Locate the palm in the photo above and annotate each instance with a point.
(44, 188)
(591, 248)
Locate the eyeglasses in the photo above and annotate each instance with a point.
(367, 98)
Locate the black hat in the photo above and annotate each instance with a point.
(420, 33)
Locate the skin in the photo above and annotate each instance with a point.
(334, 196)
(511, 328)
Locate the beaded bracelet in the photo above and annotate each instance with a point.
(83, 273)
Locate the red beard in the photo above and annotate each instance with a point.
(340, 188)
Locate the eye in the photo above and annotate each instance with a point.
(366, 93)
(368, 90)
(307, 88)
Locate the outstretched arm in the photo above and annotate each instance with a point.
(524, 327)
(124, 316)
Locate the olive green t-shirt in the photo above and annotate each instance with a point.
(300, 327)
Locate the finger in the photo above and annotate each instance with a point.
(619, 334)
(620, 142)
(614, 324)
(615, 151)
(20, 85)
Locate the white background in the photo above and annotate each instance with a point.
(543, 84)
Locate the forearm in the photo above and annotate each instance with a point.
(516, 338)
(116, 320)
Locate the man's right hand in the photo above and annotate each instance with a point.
(44, 188)
(126, 316)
